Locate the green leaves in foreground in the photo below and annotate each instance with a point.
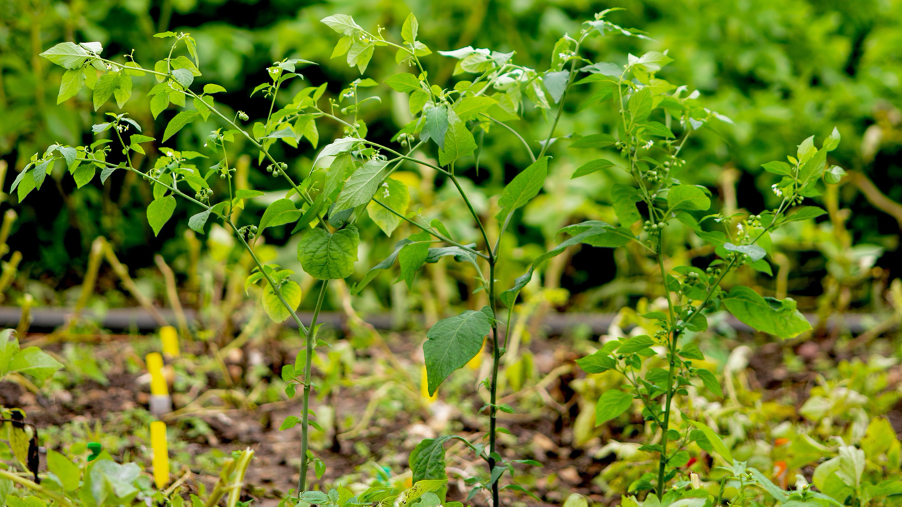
(273, 306)
(31, 361)
(326, 255)
(453, 342)
(159, 212)
(776, 317)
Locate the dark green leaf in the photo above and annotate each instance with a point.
(452, 343)
(326, 255)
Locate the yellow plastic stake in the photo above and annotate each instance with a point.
(170, 339)
(157, 381)
(424, 388)
(160, 453)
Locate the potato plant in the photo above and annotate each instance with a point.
(351, 179)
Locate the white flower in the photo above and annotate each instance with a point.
(740, 229)
(776, 190)
(649, 144)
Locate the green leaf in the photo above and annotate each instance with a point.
(103, 89)
(598, 362)
(778, 168)
(412, 256)
(768, 315)
(273, 306)
(384, 264)
(591, 167)
(73, 80)
(427, 460)
(107, 171)
(84, 174)
(640, 104)
(458, 143)
(753, 251)
(556, 83)
(624, 198)
(522, 188)
(404, 82)
(158, 103)
(278, 213)
(109, 481)
(40, 172)
(470, 107)
(636, 344)
(594, 141)
(834, 174)
(777, 493)
(159, 211)
(184, 77)
(452, 343)
(123, 90)
(409, 29)
(342, 23)
(832, 141)
(611, 405)
(710, 381)
(435, 125)
(687, 197)
(180, 120)
(64, 469)
(198, 221)
(326, 255)
(35, 363)
(715, 441)
(66, 54)
(290, 421)
(396, 196)
(361, 186)
(213, 88)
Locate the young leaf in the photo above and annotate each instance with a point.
(73, 80)
(804, 213)
(326, 255)
(452, 343)
(710, 381)
(768, 315)
(458, 143)
(523, 187)
(35, 363)
(274, 308)
(687, 197)
(412, 256)
(278, 213)
(715, 441)
(362, 186)
(159, 212)
(180, 120)
(611, 405)
(103, 90)
(396, 196)
(198, 221)
(435, 125)
(427, 460)
(342, 23)
(409, 29)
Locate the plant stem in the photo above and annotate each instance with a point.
(28, 484)
(560, 109)
(496, 358)
(308, 367)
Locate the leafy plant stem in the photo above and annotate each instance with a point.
(560, 109)
(308, 374)
(431, 231)
(672, 346)
(515, 133)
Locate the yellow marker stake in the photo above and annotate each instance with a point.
(170, 339)
(160, 454)
(424, 388)
(157, 381)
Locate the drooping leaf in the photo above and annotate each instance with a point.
(427, 460)
(159, 211)
(178, 121)
(715, 441)
(556, 83)
(326, 255)
(198, 221)
(73, 80)
(412, 256)
(459, 141)
(710, 381)
(452, 343)
(435, 125)
(278, 213)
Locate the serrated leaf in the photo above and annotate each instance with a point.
(273, 306)
(452, 343)
(612, 404)
(523, 188)
(159, 211)
(326, 255)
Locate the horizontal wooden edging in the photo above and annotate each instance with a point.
(137, 319)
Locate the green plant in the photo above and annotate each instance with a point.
(646, 148)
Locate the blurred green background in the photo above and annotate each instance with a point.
(781, 69)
